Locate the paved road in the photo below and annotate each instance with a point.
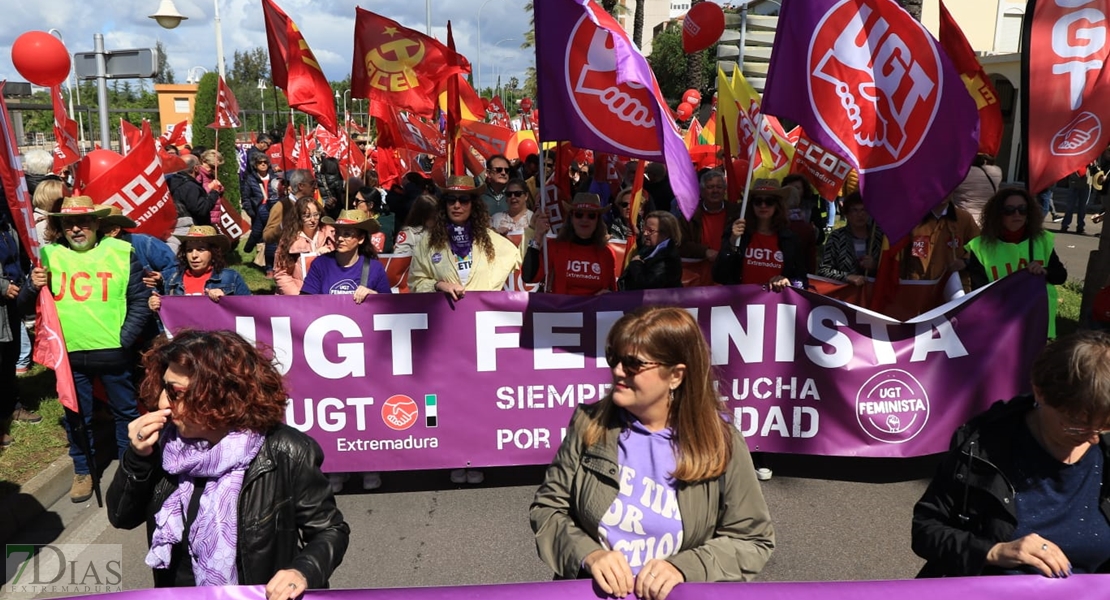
(835, 519)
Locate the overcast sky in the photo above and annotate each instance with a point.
(327, 25)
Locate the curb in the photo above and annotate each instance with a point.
(35, 496)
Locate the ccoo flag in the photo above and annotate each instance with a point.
(868, 82)
(598, 92)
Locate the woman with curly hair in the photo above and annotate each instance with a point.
(229, 494)
(299, 246)
(460, 253)
(1013, 239)
(201, 269)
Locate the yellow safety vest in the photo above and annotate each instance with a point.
(90, 289)
(1001, 259)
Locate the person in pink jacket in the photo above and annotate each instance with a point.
(299, 246)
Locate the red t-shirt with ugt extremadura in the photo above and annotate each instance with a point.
(762, 259)
(580, 270)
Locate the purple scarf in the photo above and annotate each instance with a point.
(213, 536)
(461, 240)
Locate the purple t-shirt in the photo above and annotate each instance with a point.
(644, 521)
(325, 276)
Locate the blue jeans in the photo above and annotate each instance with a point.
(121, 399)
(831, 206)
(1077, 205)
(24, 360)
(1046, 202)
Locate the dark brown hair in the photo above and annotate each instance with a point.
(991, 219)
(779, 220)
(232, 384)
(219, 261)
(479, 226)
(668, 226)
(283, 260)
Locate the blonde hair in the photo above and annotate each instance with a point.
(702, 438)
(212, 157)
(47, 194)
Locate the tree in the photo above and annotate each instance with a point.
(204, 112)
(913, 7)
(695, 75)
(165, 71)
(638, 24)
(670, 64)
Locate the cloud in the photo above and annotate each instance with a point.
(327, 26)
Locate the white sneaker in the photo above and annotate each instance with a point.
(458, 476)
(336, 480)
(475, 477)
(371, 480)
(763, 474)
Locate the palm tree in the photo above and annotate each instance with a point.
(913, 7)
(638, 25)
(695, 63)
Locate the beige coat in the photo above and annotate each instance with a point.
(726, 528)
(485, 275)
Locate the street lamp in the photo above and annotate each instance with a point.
(69, 84)
(479, 81)
(262, 101)
(168, 17)
(191, 77)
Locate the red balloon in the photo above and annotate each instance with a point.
(702, 26)
(41, 58)
(94, 164)
(692, 97)
(685, 111)
(526, 148)
(526, 104)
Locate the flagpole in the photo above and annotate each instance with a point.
(751, 165)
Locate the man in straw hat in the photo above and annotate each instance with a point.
(102, 307)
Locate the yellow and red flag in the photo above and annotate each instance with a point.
(957, 48)
(295, 70)
(399, 66)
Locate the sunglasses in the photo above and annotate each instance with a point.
(585, 215)
(549, 165)
(1010, 211)
(763, 202)
(463, 200)
(501, 170)
(82, 222)
(631, 364)
(622, 205)
(173, 393)
(514, 193)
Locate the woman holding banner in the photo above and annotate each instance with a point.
(299, 247)
(852, 252)
(201, 269)
(1024, 487)
(767, 254)
(1013, 239)
(651, 486)
(582, 263)
(229, 494)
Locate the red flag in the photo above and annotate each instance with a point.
(402, 130)
(486, 138)
(389, 167)
(825, 170)
(1069, 125)
(301, 153)
(129, 136)
(137, 185)
(636, 200)
(227, 108)
(454, 111)
(978, 84)
(66, 150)
(399, 66)
(352, 125)
(175, 135)
(497, 113)
(50, 349)
(295, 69)
(15, 186)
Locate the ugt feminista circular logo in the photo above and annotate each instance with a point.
(892, 406)
(399, 412)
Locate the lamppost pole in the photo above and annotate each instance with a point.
(219, 40)
(262, 101)
(478, 81)
(70, 85)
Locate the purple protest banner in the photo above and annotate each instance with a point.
(410, 382)
(1012, 587)
(867, 81)
(598, 92)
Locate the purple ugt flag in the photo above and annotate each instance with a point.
(598, 92)
(867, 81)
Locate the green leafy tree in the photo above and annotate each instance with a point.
(165, 71)
(204, 112)
(670, 64)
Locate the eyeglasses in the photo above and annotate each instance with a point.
(310, 216)
(591, 216)
(501, 170)
(631, 364)
(263, 164)
(173, 393)
(514, 193)
(450, 200)
(651, 231)
(763, 202)
(346, 233)
(1010, 211)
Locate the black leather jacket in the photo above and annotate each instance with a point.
(969, 505)
(729, 266)
(287, 513)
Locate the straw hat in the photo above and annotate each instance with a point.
(353, 219)
(461, 184)
(206, 233)
(75, 206)
(116, 217)
(769, 187)
(584, 202)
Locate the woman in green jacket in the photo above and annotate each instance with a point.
(652, 487)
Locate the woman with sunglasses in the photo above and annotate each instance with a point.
(652, 486)
(768, 253)
(1012, 239)
(300, 246)
(518, 216)
(620, 224)
(1024, 488)
(228, 493)
(459, 252)
(581, 261)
